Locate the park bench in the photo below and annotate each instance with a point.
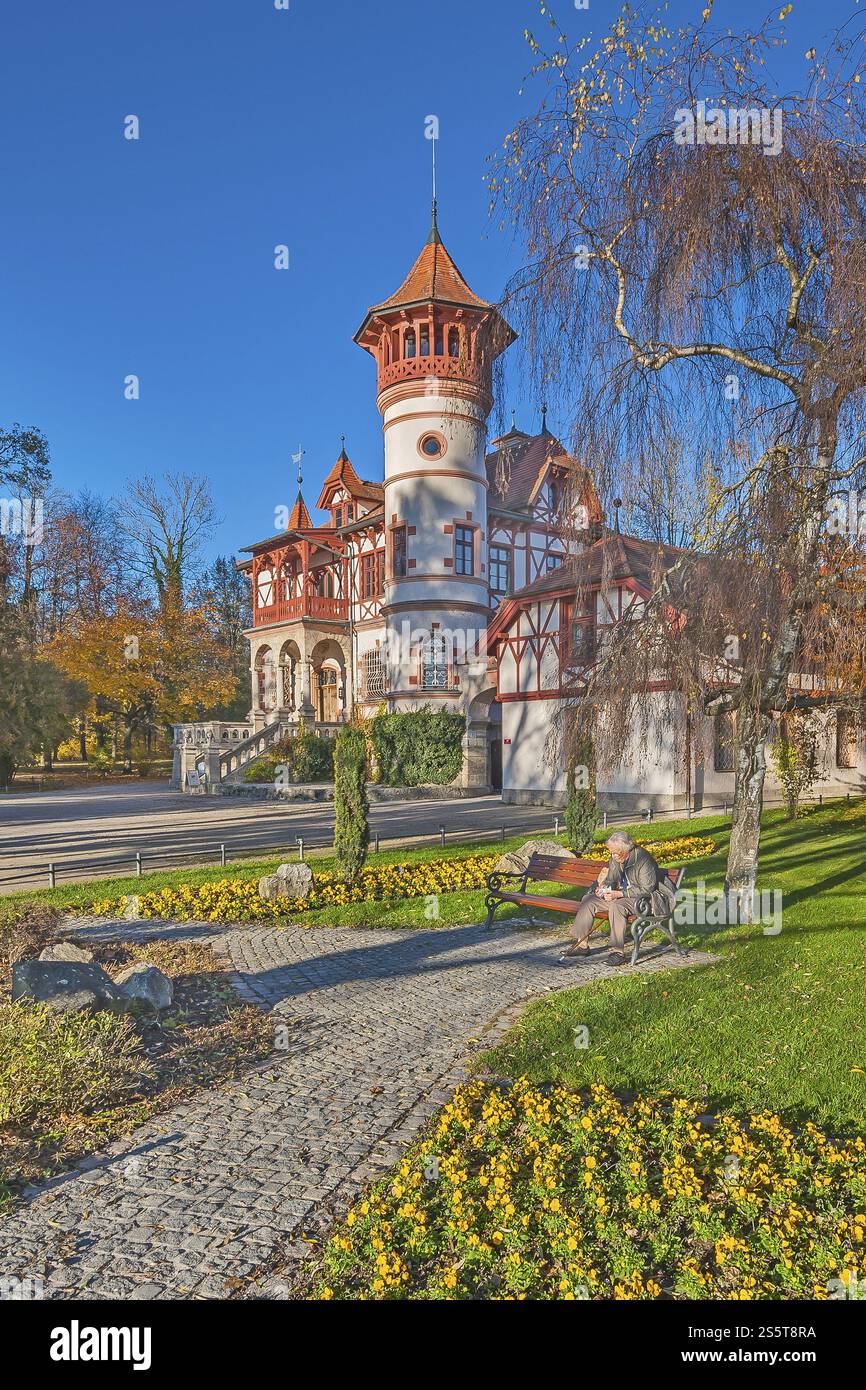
(578, 873)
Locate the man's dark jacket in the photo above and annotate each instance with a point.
(647, 883)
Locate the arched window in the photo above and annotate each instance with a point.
(409, 343)
(453, 342)
(434, 663)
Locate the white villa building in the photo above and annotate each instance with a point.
(452, 581)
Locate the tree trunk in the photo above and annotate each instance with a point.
(768, 692)
(82, 740)
(751, 766)
(101, 737)
(127, 746)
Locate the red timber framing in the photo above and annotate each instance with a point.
(300, 579)
(528, 629)
(297, 575)
(303, 578)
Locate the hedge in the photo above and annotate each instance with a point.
(418, 747)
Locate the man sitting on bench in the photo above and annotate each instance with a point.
(631, 885)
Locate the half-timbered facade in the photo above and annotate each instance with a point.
(542, 641)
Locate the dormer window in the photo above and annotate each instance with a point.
(338, 517)
(409, 343)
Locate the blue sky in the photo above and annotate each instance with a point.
(258, 127)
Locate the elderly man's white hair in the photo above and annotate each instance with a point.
(620, 840)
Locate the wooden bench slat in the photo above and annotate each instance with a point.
(540, 900)
(578, 873)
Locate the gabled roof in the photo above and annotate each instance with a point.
(343, 475)
(515, 471)
(611, 559)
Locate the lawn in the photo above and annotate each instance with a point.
(449, 909)
(777, 1023)
(705, 1145)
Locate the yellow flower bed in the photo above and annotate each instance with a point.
(522, 1193)
(675, 851)
(237, 899)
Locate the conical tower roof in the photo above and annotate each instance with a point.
(300, 517)
(433, 279)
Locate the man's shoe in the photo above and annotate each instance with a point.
(572, 952)
(616, 958)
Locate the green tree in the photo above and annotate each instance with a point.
(25, 475)
(37, 700)
(225, 595)
(581, 810)
(351, 806)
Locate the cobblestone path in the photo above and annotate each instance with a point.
(372, 1031)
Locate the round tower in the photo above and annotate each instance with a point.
(434, 342)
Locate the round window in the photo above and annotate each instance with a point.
(432, 446)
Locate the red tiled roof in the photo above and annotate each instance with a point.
(300, 517)
(608, 560)
(344, 474)
(611, 558)
(515, 468)
(433, 278)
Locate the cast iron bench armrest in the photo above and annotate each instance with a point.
(539, 868)
(641, 922)
(494, 880)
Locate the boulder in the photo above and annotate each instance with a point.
(516, 860)
(65, 985)
(66, 950)
(145, 984)
(290, 881)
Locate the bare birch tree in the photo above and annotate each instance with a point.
(696, 272)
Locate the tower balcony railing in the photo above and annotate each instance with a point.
(455, 368)
(288, 610)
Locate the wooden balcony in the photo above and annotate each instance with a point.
(438, 367)
(289, 610)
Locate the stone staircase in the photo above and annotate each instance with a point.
(221, 750)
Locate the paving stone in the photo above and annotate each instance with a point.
(218, 1190)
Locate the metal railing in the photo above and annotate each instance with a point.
(201, 856)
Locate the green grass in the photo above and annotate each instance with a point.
(776, 1024)
(454, 908)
